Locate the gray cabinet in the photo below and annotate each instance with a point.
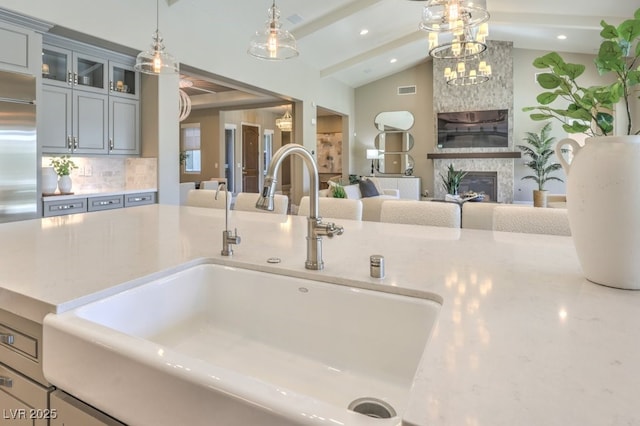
(56, 120)
(124, 81)
(73, 121)
(107, 202)
(53, 207)
(90, 103)
(66, 68)
(139, 199)
(19, 44)
(124, 126)
(59, 208)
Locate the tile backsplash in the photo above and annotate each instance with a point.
(97, 174)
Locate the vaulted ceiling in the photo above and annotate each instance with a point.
(329, 31)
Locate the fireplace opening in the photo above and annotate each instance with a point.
(485, 182)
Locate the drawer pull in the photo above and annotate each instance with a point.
(6, 381)
(6, 338)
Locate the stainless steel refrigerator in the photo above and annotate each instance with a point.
(19, 166)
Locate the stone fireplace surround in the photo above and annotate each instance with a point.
(497, 93)
(503, 167)
(500, 162)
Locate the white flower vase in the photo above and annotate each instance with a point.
(49, 180)
(603, 202)
(64, 184)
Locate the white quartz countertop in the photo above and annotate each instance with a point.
(94, 193)
(522, 338)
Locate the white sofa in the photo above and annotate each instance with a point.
(371, 206)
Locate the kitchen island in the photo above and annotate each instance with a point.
(521, 339)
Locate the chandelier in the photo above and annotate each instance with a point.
(285, 123)
(156, 61)
(462, 23)
(273, 42)
(467, 72)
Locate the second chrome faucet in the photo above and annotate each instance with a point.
(229, 238)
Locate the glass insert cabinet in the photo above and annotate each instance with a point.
(67, 68)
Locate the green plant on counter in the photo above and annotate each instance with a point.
(539, 150)
(451, 182)
(589, 109)
(63, 165)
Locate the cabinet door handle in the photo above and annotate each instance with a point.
(69, 78)
(110, 144)
(6, 338)
(69, 143)
(75, 142)
(6, 381)
(111, 85)
(75, 79)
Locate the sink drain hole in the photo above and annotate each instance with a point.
(372, 407)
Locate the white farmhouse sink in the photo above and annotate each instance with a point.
(216, 345)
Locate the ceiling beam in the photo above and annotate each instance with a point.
(549, 21)
(375, 52)
(332, 17)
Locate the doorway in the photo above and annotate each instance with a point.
(250, 158)
(230, 156)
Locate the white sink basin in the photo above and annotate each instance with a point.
(220, 345)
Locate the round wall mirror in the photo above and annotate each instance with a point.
(394, 120)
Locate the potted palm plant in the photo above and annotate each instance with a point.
(601, 178)
(539, 150)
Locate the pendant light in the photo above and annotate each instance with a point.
(156, 61)
(273, 42)
(285, 124)
(184, 101)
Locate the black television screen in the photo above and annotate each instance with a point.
(473, 129)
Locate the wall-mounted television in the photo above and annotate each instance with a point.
(473, 129)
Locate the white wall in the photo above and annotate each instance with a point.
(380, 96)
(525, 90)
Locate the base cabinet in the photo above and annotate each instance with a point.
(22, 401)
(69, 411)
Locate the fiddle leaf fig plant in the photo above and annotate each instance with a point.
(589, 109)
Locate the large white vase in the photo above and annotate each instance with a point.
(49, 180)
(603, 202)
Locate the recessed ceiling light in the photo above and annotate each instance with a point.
(562, 37)
(364, 31)
(393, 61)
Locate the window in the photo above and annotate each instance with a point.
(190, 143)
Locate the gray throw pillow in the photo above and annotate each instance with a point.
(368, 189)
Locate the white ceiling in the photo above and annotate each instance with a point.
(328, 36)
